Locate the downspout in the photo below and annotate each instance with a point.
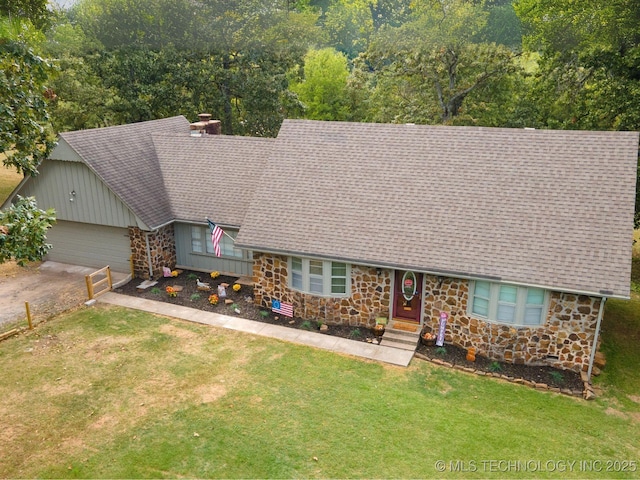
(595, 338)
(146, 240)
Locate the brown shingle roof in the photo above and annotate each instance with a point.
(124, 158)
(537, 207)
(213, 176)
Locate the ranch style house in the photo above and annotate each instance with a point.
(518, 235)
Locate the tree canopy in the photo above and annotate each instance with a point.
(25, 137)
(520, 63)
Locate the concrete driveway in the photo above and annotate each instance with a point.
(49, 287)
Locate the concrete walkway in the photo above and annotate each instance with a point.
(371, 351)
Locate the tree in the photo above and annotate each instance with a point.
(227, 58)
(323, 87)
(23, 230)
(35, 11)
(25, 140)
(134, 23)
(427, 69)
(589, 52)
(25, 136)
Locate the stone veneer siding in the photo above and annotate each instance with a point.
(162, 246)
(563, 341)
(369, 296)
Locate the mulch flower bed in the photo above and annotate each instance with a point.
(190, 296)
(541, 377)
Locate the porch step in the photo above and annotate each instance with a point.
(400, 339)
(400, 345)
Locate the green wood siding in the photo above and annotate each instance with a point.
(186, 258)
(93, 202)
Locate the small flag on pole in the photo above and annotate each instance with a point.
(216, 235)
(282, 308)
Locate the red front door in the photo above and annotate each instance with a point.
(407, 296)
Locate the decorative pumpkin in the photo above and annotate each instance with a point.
(471, 354)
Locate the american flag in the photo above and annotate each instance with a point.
(282, 308)
(216, 235)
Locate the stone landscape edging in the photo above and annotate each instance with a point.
(587, 393)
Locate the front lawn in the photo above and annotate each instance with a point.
(109, 392)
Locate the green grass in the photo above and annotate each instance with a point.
(9, 179)
(114, 393)
(620, 343)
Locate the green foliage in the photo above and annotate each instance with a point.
(322, 89)
(503, 27)
(441, 351)
(25, 137)
(495, 367)
(156, 291)
(195, 296)
(264, 313)
(557, 376)
(620, 335)
(23, 231)
(306, 325)
(192, 276)
(355, 333)
(427, 69)
(150, 23)
(35, 11)
(230, 59)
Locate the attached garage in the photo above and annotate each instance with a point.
(90, 245)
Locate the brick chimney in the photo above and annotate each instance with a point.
(205, 125)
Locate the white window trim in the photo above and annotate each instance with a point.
(326, 278)
(521, 304)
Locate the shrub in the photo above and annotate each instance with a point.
(495, 367)
(557, 376)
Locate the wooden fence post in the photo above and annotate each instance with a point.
(87, 278)
(26, 304)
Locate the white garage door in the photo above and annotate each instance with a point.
(89, 245)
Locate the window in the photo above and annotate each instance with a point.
(296, 273)
(508, 304)
(320, 277)
(200, 235)
(196, 239)
(338, 278)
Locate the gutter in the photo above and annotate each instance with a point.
(595, 338)
(437, 272)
